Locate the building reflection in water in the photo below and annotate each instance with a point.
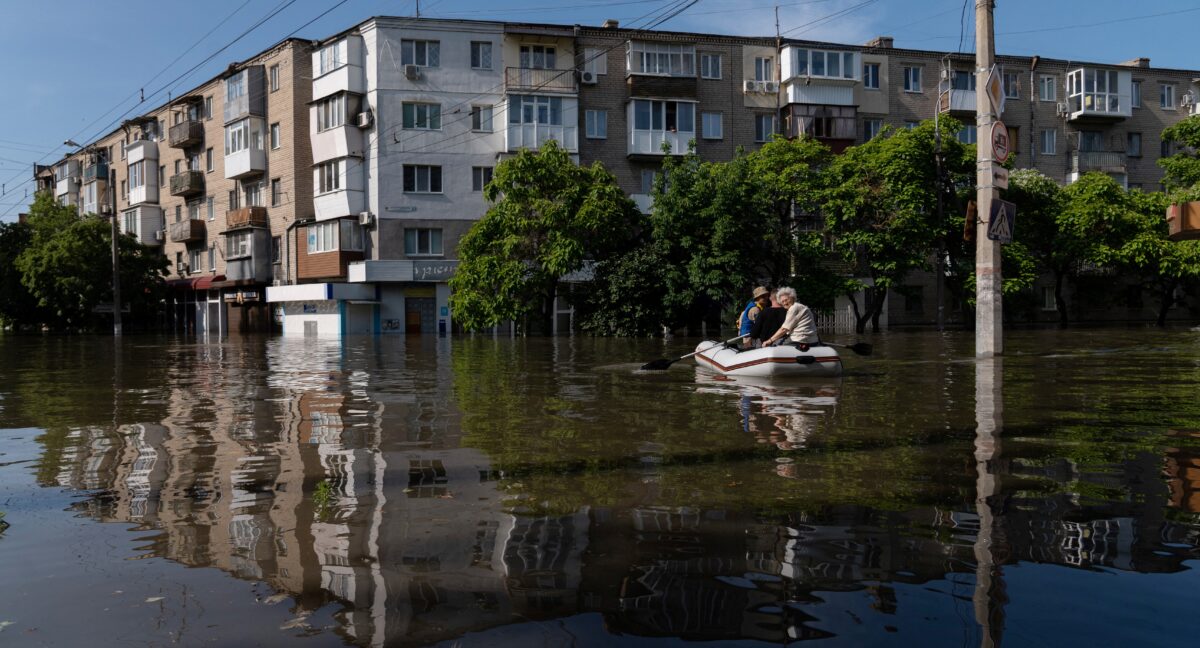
(336, 490)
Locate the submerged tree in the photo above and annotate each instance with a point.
(1145, 252)
(548, 217)
(1183, 168)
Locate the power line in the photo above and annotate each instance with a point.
(819, 21)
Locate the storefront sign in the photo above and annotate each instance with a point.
(433, 270)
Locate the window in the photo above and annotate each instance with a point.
(237, 244)
(1012, 85)
(530, 109)
(820, 63)
(481, 55)
(130, 222)
(1049, 142)
(422, 178)
(208, 159)
(1091, 141)
(274, 77)
(235, 86)
(968, 134)
(536, 57)
(331, 112)
(238, 137)
(211, 206)
(911, 124)
(329, 176)
(178, 213)
(195, 260)
(764, 127)
(662, 58)
(648, 178)
(275, 136)
(595, 124)
(162, 173)
(422, 116)
(671, 116)
(480, 176)
(124, 191)
(1093, 91)
(419, 52)
(208, 107)
(332, 57)
(352, 235)
(235, 200)
(1047, 88)
(162, 169)
(710, 66)
(253, 194)
(1165, 149)
(276, 192)
(137, 174)
(871, 129)
(276, 246)
(1135, 94)
(422, 242)
(1048, 301)
(322, 237)
(711, 126)
(871, 76)
(481, 118)
(1133, 144)
(1014, 140)
(764, 68)
(822, 126)
(194, 210)
(1166, 96)
(595, 60)
(212, 258)
(912, 79)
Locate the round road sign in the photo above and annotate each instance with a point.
(999, 141)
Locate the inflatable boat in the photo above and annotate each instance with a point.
(769, 362)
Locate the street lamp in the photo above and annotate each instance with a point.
(72, 143)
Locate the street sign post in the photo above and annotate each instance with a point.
(995, 91)
(999, 141)
(1003, 219)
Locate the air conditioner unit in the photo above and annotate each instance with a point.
(587, 78)
(751, 85)
(1062, 110)
(770, 87)
(183, 268)
(366, 119)
(366, 219)
(159, 235)
(1186, 99)
(412, 72)
(105, 209)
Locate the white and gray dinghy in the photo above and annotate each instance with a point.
(778, 361)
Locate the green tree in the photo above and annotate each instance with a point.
(1183, 168)
(67, 268)
(1038, 236)
(1145, 252)
(548, 216)
(881, 207)
(17, 306)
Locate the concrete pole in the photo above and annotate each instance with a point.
(989, 310)
(116, 256)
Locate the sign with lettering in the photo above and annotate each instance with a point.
(1004, 217)
(433, 270)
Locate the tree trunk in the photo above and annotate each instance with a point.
(1059, 302)
(548, 310)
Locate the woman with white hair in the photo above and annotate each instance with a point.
(799, 325)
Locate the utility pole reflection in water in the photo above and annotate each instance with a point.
(989, 422)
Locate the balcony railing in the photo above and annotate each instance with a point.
(93, 172)
(187, 231)
(246, 217)
(1105, 161)
(186, 133)
(187, 183)
(537, 80)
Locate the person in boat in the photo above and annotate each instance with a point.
(799, 327)
(759, 299)
(768, 321)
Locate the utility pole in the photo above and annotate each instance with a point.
(989, 310)
(939, 275)
(116, 255)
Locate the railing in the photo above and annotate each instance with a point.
(537, 80)
(93, 172)
(1106, 161)
(246, 217)
(187, 183)
(186, 133)
(186, 231)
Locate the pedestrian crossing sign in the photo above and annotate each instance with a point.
(1004, 217)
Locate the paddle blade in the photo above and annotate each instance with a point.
(662, 364)
(862, 348)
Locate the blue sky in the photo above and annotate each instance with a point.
(72, 61)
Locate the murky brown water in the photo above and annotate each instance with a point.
(542, 492)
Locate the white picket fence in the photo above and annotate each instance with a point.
(837, 321)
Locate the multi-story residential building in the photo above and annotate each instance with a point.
(349, 169)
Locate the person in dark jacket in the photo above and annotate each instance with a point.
(768, 321)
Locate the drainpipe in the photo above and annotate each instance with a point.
(1033, 63)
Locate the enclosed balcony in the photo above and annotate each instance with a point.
(533, 119)
(187, 231)
(95, 171)
(537, 80)
(187, 183)
(142, 149)
(186, 133)
(658, 127)
(246, 217)
(1099, 95)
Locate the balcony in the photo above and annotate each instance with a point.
(532, 80)
(187, 231)
(142, 149)
(246, 217)
(246, 162)
(957, 102)
(1103, 161)
(94, 172)
(67, 186)
(187, 183)
(186, 133)
(1099, 95)
(532, 136)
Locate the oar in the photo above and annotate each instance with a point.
(861, 348)
(663, 364)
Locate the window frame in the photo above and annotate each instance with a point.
(410, 47)
(411, 179)
(868, 78)
(1048, 81)
(595, 124)
(275, 138)
(410, 118)
(766, 136)
(912, 79)
(1166, 96)
(273, 78)
(480, 177)
(1052, 140)
(477, 52)
(707, 60)
(482, 119)
(720, 130)
(328, 177)
(239, 244)
(414, 250)
(331, 112)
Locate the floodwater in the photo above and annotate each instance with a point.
(543, 492)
